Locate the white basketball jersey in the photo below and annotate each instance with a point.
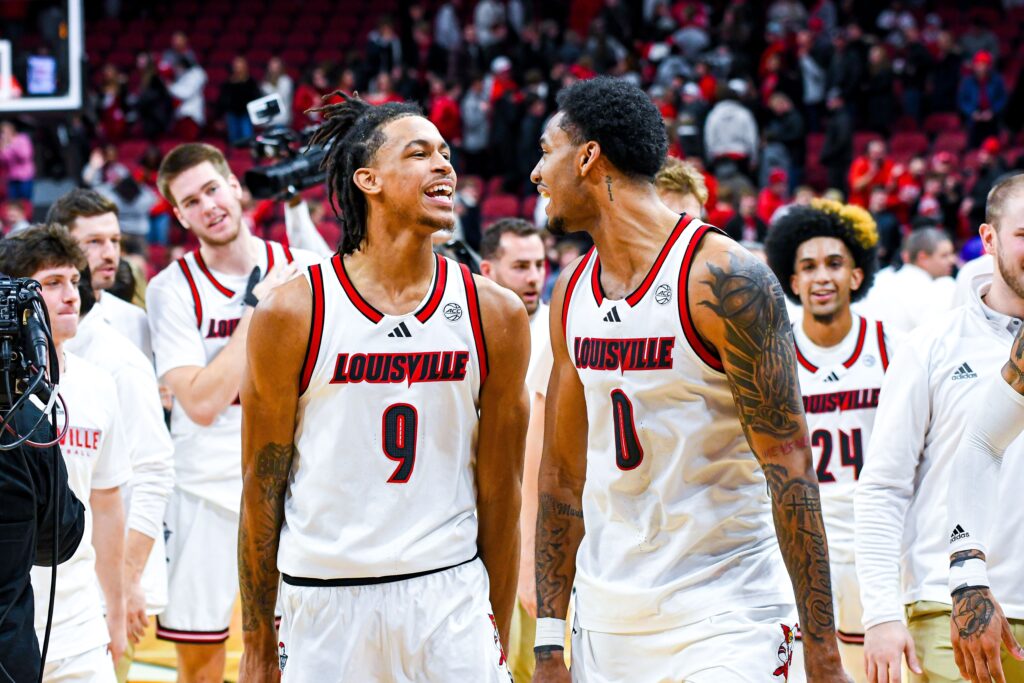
(676, 508)
(383, 477)
(840, 386)
(193, 312)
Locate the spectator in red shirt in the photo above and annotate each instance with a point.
(444, 111)
(773, 196)
(307, 96)
(869, 171)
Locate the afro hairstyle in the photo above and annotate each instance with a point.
(620, 117)
(824, 218)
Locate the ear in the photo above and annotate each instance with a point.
(589, 155)
(793, 284)
(988, 237)
(236, 187)
(856, 278)
(486, 269)
(181, 219)
(367, 180)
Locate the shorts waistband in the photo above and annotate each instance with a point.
(367, 580)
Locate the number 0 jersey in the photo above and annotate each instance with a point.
(840, 386)
(676, 508)
(383, 477)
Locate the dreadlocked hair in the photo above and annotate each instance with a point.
(853, 226)
(353, 130)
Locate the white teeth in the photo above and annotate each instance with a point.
(440, 189)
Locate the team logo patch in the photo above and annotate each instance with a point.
(497, 642)
(785, 653)
(663, 294)
(453, 311)
(282, 656)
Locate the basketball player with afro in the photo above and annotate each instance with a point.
(385, 416)
(825, 256)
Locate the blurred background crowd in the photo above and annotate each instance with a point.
(911, 109)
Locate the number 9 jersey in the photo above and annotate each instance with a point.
(383, 481)
(675, 505)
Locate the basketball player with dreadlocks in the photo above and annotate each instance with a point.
(825, 257)
(382, 452)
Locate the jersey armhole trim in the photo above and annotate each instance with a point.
(882, 350)
(440, 282)
(287, 252)
(703, 350)
(475, 321)
(316, 328)
(196, 301)
(571, 287)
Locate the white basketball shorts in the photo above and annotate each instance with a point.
(92, 666)
(434, 628)
(753, 645)
(202, 571)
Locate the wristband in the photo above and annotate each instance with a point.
(550, 634)
(969, 573)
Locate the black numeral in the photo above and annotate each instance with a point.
(399, 440)
(628, 451)
(851, 452)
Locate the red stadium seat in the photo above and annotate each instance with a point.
(954, 141)
(908, 143)
(940, 122)
(861, 140)
(499, 206)
(529, 206)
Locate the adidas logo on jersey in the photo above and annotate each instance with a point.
(958, 534)
(400, 331)
(964, 372)
(613, 316)
(832, 377)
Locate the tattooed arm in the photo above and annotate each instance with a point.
(978, 624)
(738, 308)
(274, 355)
(560, 486)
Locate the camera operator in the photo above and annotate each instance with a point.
(29, 503)
(83, 644)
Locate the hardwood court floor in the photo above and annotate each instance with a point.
(161, 652)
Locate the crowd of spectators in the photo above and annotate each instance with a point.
(911, 109)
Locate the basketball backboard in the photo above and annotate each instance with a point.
(41, 50)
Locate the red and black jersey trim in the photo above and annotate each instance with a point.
(209, 276)
(882, 350)
(193, 637)
(269, 257)
(371, 313)
(571, 286)
(645, 286)
(434, 300)
(850, 638)
(316, 328)
(476, 322)
(196, 301)
(287, 253)
(703, 350)
(862, 333)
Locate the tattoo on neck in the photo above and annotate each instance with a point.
(608, 182)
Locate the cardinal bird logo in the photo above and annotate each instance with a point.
(282, 657)
(785, 653)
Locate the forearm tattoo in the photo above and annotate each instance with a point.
(762, 370)
(258, 535)
(1013, 371)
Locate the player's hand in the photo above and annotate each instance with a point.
(885, 645)
(135, 612)
(551, 669)
(118, 635)
(258, 669)
(977, 629)
(278, 275)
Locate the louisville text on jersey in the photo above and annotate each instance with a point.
(398, 368)
(841, 400)
(620, 355)
(221, 329)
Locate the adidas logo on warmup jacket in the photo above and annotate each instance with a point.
(964, 372)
